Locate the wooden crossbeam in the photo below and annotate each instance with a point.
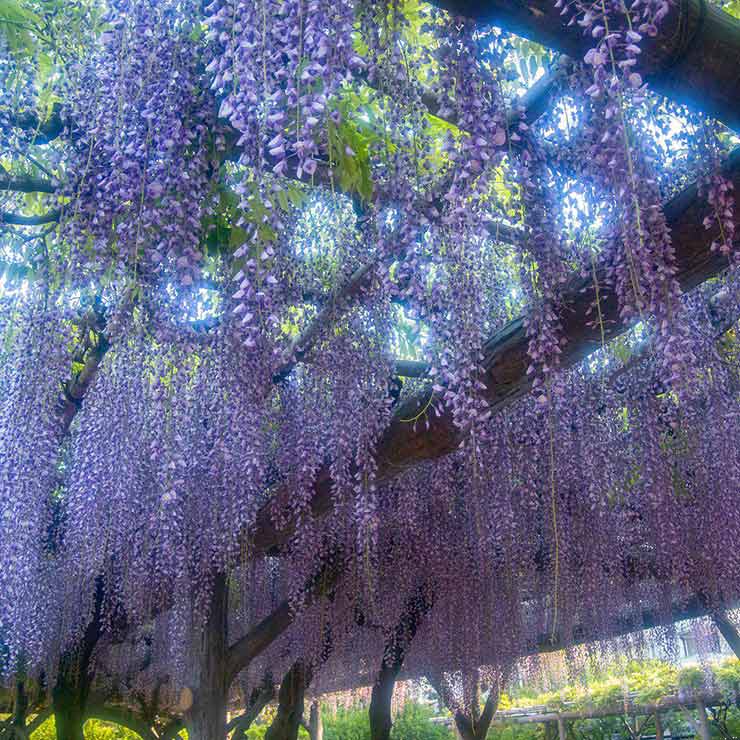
(506, 360)
(693, 59)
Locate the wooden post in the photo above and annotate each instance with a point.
(658, 727)
(704, 732)
(562, 729)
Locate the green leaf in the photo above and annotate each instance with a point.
(18, 26)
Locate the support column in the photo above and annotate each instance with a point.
(658, 726)
(704, 731)
(562, 729)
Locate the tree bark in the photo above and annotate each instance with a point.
(69, 700)
(315, 722)
(379, 712)
(290, 703)
(692, 60)
(20, 706)
(260, 697)
(475, 724)
(72, 688)
(416, 607)
(206, 718)
(728, 630)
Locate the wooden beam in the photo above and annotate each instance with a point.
(506, 360)
(693, 59)
(610, 710)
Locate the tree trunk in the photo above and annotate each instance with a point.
(728, 630)
(20, 706)
(69, 699)
(475, 724)
(416, 606)
(72, 688)
(205, 719)
(290, 704)
(315, 723)
(260, 697)
(380, 702)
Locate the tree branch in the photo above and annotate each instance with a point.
(75, 388)
(728, 630)
(262, 635)
(44, 131)
(17, 219)
(26, 184)
(259, 699)
(122, 716)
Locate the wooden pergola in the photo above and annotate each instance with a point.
(695, 60)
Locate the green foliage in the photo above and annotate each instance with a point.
(413, 723)
(517, 732)
(347, 724)
(94, 730)
(257, 732)
(727, 675)
(647, 681)
(349, 144)
(732, 7)
(18, 25)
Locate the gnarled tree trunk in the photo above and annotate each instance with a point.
(290, 703)
(474, 724)
(72, 688)
(418, 604)
(69, 698)
(205, 717)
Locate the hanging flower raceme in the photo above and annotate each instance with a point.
(642, 262)
(173, 428)
(142, 137)
(277, 66)
(36, 338)
(715, 186)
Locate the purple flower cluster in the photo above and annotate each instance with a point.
(142, 135)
